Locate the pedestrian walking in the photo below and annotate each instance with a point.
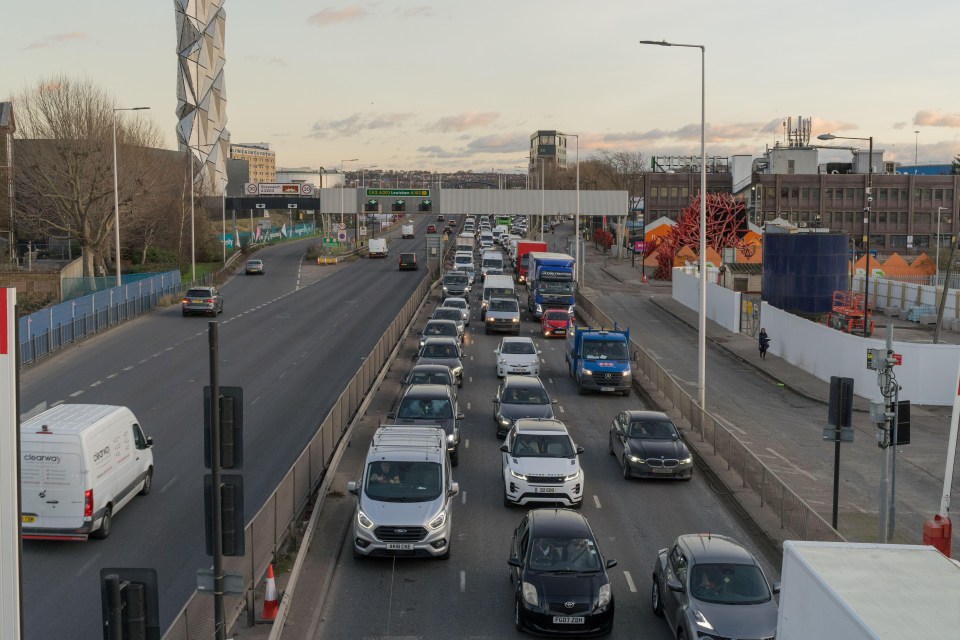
(764, 344)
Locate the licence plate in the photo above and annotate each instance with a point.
(400, 546)
(546, 490)
(28, 519)
(661, 470)
(606, 388)
(567, 619)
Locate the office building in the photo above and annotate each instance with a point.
(262, 161)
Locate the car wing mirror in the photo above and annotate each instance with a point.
(554, 401)
(392, 415)
(674, 585)
(352, 487)
(461, 416)
(504, 448)
(514, 561)
(776, 587)
(496, 351)
(611, 564)
(454, 489)
(579, 450)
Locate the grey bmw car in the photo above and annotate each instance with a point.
(648, 445)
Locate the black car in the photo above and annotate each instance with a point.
(443, 350)
(520, 397)
(648, 445)
(559, 576)
(432, 405)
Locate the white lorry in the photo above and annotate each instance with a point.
(377, 248)
(466, 242)
(79, 465)
(856, 591)
(406, 231)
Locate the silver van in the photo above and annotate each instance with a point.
(496, 287)
(405, 495)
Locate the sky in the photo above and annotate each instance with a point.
(446, 85)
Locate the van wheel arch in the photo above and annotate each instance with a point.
(147, 482)
(106, 524)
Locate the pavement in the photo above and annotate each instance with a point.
(617, 287)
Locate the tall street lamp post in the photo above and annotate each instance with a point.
(576, 224)
(702, 329)
(868, 197)
(936, 282)
(343, 185)
(116, 193)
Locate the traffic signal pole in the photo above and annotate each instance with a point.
(215, 495)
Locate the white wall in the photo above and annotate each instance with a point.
(892, 293)
(723, 305)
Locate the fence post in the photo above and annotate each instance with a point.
(782, 490)
(763, 482)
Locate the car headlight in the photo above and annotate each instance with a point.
(502, 362)
(514, 319)
(503, 421)
(445, 290)
(490, 318)
(437, 522)
(587, 372)
(635, 459)
(364, 521)
(604, 598)
(570, 309)
(530, 594)
(572, 476)
(702, 621)
(518, 476)
(687, 460)
(451, 438)
(457, 371)
(539, 309)
(627, 374)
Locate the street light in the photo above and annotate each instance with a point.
(866, 236)
(116, 194)
(702, 329)
(343, 185)
(576, 224)
(936, 282)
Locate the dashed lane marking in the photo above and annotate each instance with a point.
(795, 467)
(633, 587)
(596, 501)
(463, 581)
(76, 393)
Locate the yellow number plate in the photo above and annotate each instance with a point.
(28, 519)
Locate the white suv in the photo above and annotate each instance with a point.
(518, 356)
(541, 464)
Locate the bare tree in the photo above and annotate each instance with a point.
(64, 177)
(620, 170)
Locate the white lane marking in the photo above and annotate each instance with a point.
(86, 566)
(167, 486)
(596, 501)
(463, 581)
(550, 380)
(468, 406)
(169, 349)
(795, 467)
(96, 384)
(157, 354)
(128, 368)
(466, 443)
(76, 393)
(633, 587)
(112, 376)
(730, 425)
(560, 406)
(471, 380)
(463, 497)
(255, 401)
(142, 361)
(58, 402)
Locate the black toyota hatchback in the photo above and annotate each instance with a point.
(559, 576)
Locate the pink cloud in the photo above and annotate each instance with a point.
(326, 17)
(936, 119)
(54, 40)
(464, 121)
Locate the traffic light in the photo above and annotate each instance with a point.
(425, 205)
(231, 428)
(372, 206)
(400, 205)
(231, 514)
(130, 603)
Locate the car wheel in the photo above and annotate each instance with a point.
(577, 505)
(460, 383)
(486, 330)
(455, 458)
(356, 554)
(626, 468)
(610, 444)
(655, 603)
(681, 635)
(506, 500)
(105, 525)
(582, 390)
(516, 614)
(147, 482)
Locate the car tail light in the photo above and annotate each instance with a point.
(88, 503)
(209, 300)
(185, 301)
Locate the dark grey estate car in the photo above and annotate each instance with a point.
(520, 397)
(445, 351)
(432, 405)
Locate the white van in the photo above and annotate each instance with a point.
(406, 231)
(496, 287)
(377, 248)
(79, 465)
(491, 264)
(405, 495)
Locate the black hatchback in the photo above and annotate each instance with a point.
(559, 576)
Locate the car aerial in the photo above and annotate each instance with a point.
(254, 267)
(408, 261)
(517, 356)
(503, 314)
(205, 300)
(432, 405)
(461, 304)
(449, 313)
(440, 327)
(554, 322)
(443, 350)
(709, 586)
(648, 445)
(431, 228)
(456, 284)
(541, 464)
(520, 397)
(559, 576)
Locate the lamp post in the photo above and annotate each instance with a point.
(702, 329)
(116, 193)
(578, 270)
(543, 198)
(866, 224)
(343, 185)
(916, 144)
(936, 282)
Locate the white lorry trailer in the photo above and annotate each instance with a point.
(855, 591)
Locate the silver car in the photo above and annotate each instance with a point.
(708, 586)
(461, 304)
(205, 300)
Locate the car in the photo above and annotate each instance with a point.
(559, 576)
(254, 267)
(443, 350)
(709, 586)
(648, 445)
(452, 222)
(517, 356)
(431, 374)
(205, 300)
(408, 262)
(440, 217)
(541, 465)
(553, 323)
(458, 303)
(440, 327)
(520, 397)
(449, 313)
(432, 405)
(503, 314)
(431, 228)
(456, 284)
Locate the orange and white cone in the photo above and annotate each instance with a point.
(270, 602)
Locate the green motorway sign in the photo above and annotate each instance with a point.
(399, 193)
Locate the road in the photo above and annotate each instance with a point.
(291, 338)
(469, 596)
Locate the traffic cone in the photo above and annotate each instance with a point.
(270, 602)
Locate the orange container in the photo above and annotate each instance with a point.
(937, 532)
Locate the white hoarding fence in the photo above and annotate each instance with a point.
(9, 507)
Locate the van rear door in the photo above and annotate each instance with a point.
(52, 486)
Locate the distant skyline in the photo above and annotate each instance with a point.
(451, 85)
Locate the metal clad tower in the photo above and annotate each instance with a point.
(201, 91)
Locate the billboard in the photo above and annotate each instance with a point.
(278, 189)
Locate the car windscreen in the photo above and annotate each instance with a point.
(425, 409)
(448, 314)
(605, 350)
(430, 377)
(453, 303)
(562, 554)
(440, 329)
(460, 280)
(504, 305)
(440, 351)
(531, 395)
(555, 287)
(518, 347)
(653, 430)
(493, 262)
(497, 292)
(463, 260)
(728, 583)
(557, 314)
(529, 445)
(403, 481)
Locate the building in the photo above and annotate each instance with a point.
(261, 160)
(548, 156)
(668, 189)
(201, 94)
(7, 128)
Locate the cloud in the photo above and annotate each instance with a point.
(355, 123)
(274, 61)
(899, 125)
(500, 143)
(936, 119)
(722, 132)
(326, 17)
(463, 121)
(439, 152)
(54, 40)
(422, 10)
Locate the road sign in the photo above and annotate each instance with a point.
(640, 246)
(329, 241)
(341, 225)
(292, 205)
(399, 193)
(341, 235)
(260, 206)
(898, 358)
